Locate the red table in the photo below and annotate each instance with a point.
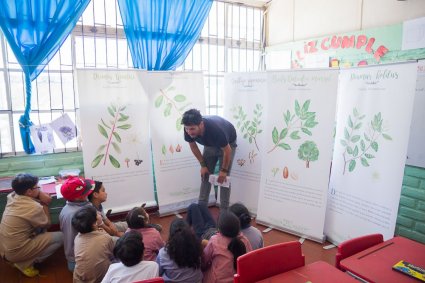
(316, 272)
(375, 264)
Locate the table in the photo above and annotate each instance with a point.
(316, 272)
(375, 263)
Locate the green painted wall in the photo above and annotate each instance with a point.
(411, 214)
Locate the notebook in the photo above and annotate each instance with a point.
(410, 270)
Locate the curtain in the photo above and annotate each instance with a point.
(161, 33)
(35, 30)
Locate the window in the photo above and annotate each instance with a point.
(231, 41)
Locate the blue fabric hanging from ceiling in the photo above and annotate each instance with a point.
(161, 33)
(35, 30)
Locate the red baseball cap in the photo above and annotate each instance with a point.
(76, 187)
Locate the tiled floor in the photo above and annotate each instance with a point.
(54, 268)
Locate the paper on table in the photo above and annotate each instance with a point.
(58, 191)
(213, 181)
(46, 180)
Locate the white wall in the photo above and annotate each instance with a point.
(292, 20)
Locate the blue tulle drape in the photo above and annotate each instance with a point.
(161, 33)
(35, 30)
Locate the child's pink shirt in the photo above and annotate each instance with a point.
(217, 260)
(152, 240)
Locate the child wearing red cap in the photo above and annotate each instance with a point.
(75, 190)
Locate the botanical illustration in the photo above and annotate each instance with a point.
(297, 123)
(360, 147)
(110, 131)
(170, 102)
(308, 152)
(249, 128)
(171, 149)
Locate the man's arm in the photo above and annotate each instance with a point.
(195, 150)
(227, 153)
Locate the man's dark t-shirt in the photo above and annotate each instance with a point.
(218, 132)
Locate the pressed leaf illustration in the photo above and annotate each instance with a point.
(164, 149)
(249, 128)
(361, 147)
(109, 130)
(308, 152)
(298, 123)
(172, 103)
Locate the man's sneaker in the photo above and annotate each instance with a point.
(156, 226)
(28, 271)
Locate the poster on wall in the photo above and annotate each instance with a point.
(42, 138)
(416, 148)
(297, 151)
(245, 108)
(177, 171)
(373, 122)
(115, 131)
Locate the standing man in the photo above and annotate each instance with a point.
(218, 136)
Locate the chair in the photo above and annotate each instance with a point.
(355, 245)
(152, 280)
(268, 261)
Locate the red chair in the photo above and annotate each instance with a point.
(268, 261)
(355, 245)
(152, 280)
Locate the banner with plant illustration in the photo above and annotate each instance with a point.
(297, 150)
(177, 172)
(115, 130)
(372, 133)
(245, 108)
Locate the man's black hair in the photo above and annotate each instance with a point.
(191, 117)
(23, 182)
(129, 248)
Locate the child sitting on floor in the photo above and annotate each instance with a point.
(253, 234)
(138, 220)
(93, 246)
(75, 190)
(23, 236)
(223, 249)
(180, 259)
(129, 250)
(99, 196)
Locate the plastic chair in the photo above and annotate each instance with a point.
(355, 245)
(152, 280)
(268, 261)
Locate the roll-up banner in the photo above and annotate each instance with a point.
(245, 107)
(115, 130)
(372, 132)
(297, 151)
(177, 171)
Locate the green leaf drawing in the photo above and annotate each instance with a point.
(179, 98)
(114, 162)
(302, 122)
(116, 136)
(164, 150)
(100, 149)
(358, 146)
(179, 125)
(102, 130)
(96, 160)
(103, 151)
(249, 127)
(158, 101)
(275, 135)
(116, 147)
(173, 104)
(124, 127)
